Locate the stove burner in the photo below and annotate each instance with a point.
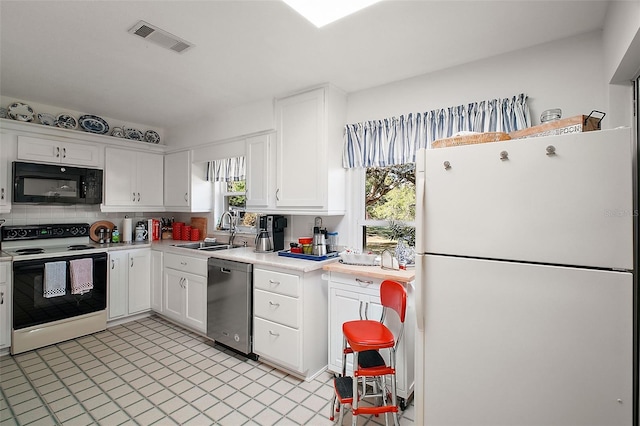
(34, 250)
(79, 247)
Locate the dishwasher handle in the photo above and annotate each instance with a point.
(225, 270)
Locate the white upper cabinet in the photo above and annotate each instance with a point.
(53, 151)
(186, 188)
(133, 179)
(7, 155)
(310, 178)
(260, 177)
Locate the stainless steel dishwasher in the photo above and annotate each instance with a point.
(230, 304)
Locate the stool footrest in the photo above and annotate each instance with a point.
(376, 410)
(344, 388)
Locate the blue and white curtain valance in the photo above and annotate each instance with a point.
(227, 170)
(396, 140)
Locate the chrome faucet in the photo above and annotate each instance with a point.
(232, 225)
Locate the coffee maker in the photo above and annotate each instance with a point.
(274, 224)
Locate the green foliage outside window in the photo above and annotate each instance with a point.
(390, 195)
(236, 200)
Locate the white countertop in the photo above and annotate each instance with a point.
(246, 255)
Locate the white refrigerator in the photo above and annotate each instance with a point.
(524, 282)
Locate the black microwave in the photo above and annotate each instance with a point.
(56, 184)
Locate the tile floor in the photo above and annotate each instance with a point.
(152, 372)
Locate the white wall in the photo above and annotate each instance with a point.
(566, 74)
(622, 41)
(247, 119)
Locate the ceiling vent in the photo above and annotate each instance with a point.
(160, 37)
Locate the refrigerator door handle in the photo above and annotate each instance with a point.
(420, 202)
(419, 289)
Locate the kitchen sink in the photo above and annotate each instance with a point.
(206, 245)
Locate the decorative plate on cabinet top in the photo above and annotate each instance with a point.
(47, 119)
(66, 121)
(151, 136)
(133, 134)
(117, 132)
(21, 112)
(93, 124)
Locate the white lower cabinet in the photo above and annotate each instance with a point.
(290, 320)
(185, 291)
(5, 304)
(156, 280)
(129, 282)
(352, 298)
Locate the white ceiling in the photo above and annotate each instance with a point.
(79, 55)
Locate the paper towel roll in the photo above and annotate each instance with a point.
(127, 230)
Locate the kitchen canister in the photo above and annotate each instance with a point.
(186, 232)
(127, 230)
(195, 234)
(177, 230)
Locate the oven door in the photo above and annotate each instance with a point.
(31, 307)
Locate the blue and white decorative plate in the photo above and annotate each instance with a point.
(21, 112)
(66, 121)
(47, 119)
(151, 136)
(133, 134)
(93, 124)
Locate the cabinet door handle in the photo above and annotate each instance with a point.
(183, 263)
(2, 298)
(64, 152)
(113, 264)
(272, 282)
(274, 304)
(132, 262)
(138, 197)
(365, 282)
(274, 334)
(2, 194)
(134, 197)
(186, 197)
(366, 311)
(360, 310)
(57, 152)
(277, 192)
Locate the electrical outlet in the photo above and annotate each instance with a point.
(318, 222)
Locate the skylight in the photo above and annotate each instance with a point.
(323, 12)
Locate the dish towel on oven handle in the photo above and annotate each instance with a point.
(55, 279)
(81, 275)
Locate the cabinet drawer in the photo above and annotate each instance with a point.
(356, 281)
(276, 282)
(276, 308)
(276, 342)
(186, 264)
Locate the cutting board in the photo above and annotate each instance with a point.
(201, 224)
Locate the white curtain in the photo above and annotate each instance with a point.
(227, 170)
(395, 140)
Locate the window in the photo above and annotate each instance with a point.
(389, 207)
(234, 194)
